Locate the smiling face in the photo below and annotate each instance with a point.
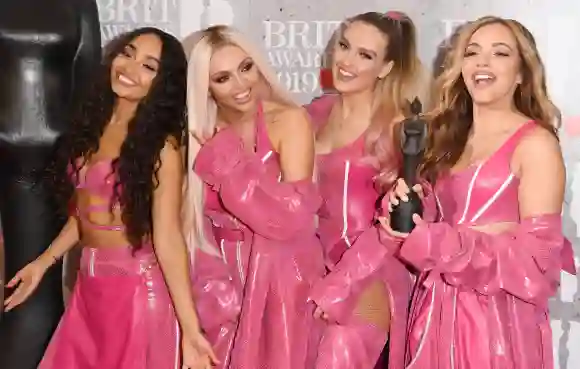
(234, 78)
(359, 58)
(491, 65)
(135, 68)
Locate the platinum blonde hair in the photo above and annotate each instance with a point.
(202, 113)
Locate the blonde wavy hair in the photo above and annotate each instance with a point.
(452, 117)
(202, 112)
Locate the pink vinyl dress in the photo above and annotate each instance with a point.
(481, 301)
(355, 258)
(120, 315)
(253, 300)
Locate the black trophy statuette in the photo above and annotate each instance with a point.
(413, 138)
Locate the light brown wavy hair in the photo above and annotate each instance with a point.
(451, 120)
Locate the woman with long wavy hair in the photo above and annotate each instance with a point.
(492, 256)
(120, 168)
(364, 297)
(251, 207)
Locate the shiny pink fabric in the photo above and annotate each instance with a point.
(98, 178)
(482, 299)
(120, 316)
(355, 257)
(270, 257)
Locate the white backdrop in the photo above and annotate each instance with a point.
(293, 33)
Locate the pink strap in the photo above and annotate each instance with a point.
(319, 109)
(512, 142)
(263, 143)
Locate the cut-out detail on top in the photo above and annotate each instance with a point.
(98, 180)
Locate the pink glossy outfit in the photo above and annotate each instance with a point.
(481, 301)
(253, 300)
(355, 258)
(120, 315)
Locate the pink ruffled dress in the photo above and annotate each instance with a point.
(253, 299)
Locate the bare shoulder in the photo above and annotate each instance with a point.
(278, 110)
(539, 148)
(287, 119)
(171, 153)
(173, 142)
(539, 142)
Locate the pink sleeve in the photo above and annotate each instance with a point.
(525, 262)
(319, 109)
(273, 209)
(357, 263)
(430, 209)
(216, 298)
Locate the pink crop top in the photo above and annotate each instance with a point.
(98, 179)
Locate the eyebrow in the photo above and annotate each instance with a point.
(363, 49)
(495, 44)
(152, 58)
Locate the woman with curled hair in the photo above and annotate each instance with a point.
(251, 207)
(365, 295)
(120, 168)
(491, 257)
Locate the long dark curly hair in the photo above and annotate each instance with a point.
(159, 117)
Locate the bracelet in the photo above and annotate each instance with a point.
(54, 260)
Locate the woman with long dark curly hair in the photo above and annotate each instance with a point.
(120, 167)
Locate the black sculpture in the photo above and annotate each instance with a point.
(413, 138)
(48, 51)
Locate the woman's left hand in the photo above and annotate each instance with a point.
(197, 352)
(386, 224)
(320, 314)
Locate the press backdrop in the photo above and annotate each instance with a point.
(293, 33)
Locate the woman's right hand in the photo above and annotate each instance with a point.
(399, 193)
(25, 281)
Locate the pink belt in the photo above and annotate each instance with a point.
(229, 234)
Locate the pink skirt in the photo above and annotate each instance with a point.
(120, 316)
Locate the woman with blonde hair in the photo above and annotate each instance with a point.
(492, 258)
(364, 298)
(251, 207)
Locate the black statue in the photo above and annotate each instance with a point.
(413, 137)
(48, 50)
